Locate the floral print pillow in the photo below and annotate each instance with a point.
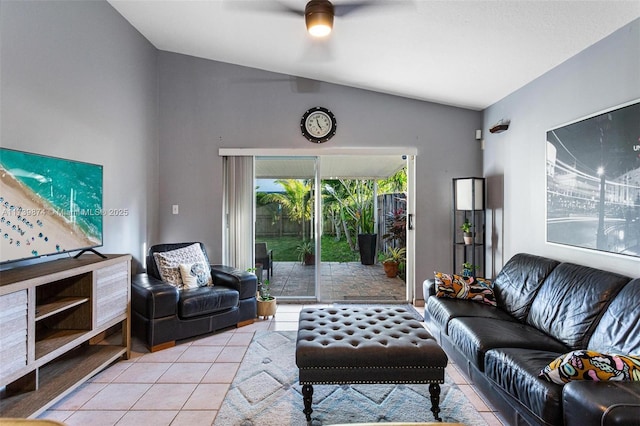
(592, 365)
(459, 287)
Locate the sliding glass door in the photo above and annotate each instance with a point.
(285, 224)
(310, 216)
(363, 220)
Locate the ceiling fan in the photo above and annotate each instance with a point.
(319, 14)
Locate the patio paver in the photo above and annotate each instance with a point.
(340, 281)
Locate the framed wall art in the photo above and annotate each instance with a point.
(593, 182)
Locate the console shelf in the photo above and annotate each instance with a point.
(59, 320)
(55, 339)
(58, 305)
(66, 373)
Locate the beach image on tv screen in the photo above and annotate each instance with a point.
(48, 205)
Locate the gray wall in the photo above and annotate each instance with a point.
(605, 75)
(206, 105)
(77, 81)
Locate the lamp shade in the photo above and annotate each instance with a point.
(469, 193)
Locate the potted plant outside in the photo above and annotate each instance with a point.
(392, 259)
(466, 230)
(367, 240)
(305, 253)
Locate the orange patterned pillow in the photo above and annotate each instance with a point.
(592, 365)
(459, 287)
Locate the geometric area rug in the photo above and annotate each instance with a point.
(266, 392)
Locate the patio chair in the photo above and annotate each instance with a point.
(265, 256)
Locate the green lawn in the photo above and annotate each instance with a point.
(284, 249)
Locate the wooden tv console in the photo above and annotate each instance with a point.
(60, 323)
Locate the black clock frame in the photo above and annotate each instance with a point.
(312, 138)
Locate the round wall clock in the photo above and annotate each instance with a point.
(318, 124)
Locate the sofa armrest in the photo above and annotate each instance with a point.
(152, 297)
(428, 288)
(621, 414)
(244, 282)
(601, 403)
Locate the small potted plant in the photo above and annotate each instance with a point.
(266, 305)
(266, 302)
(467, 234)
(392, 259)
(468, 269)
(305, 253)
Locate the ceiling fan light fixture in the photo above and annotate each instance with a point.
(318, 15)
(319, 30)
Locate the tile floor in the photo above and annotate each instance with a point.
(184, 385)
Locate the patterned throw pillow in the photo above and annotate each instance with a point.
(591, 365)
(459, 287)
(168, 263)
(195, 275)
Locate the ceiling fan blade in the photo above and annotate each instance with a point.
(265, 6)
(347, 8)
(343, 9)
(304, 85)
(297, 84)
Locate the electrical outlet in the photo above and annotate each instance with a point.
(175, 209)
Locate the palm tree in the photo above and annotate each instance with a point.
(331, 210)
(295, 200)
(333, 193)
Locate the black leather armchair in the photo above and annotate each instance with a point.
(162, 313)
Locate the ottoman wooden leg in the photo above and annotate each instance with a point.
(434, 391)
(307, 397)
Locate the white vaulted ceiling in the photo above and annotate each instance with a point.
(467, 53)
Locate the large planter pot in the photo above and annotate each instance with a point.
(309, 260)
(367, 244)
(267, 308)
(390, 269)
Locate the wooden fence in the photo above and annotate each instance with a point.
(270, 222)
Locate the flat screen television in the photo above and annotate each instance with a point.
(48, 205)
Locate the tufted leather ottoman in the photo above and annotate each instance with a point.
(354, 345)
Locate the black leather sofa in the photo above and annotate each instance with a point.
(161, 313)
(544, 309)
